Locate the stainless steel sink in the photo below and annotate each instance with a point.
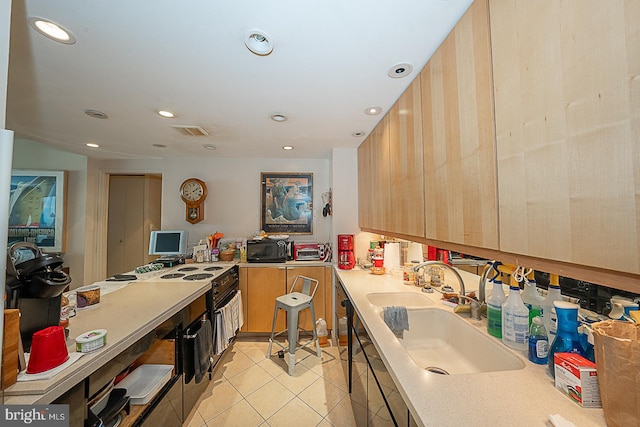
(439, 340)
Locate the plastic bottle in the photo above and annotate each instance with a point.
(64, 311)
(494, 307)
(531, 298)
(567, 339)
(548, 311)
(538, 342)
(321, 329)
(515, 319)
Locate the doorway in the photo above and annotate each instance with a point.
(134, 209)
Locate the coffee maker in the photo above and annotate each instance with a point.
(34, 285)
(346, 256)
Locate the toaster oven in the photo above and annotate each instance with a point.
(311, 252)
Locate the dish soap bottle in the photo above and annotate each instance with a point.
(531, 298)
(548, 310)
(515, 319)
(567, 339)
(494, 307)
(538, 342)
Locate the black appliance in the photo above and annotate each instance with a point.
(365, 383)
(34, 285)
(200, 333)
(269, 250)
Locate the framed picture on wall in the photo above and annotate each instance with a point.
(286, 203)
(37, 202)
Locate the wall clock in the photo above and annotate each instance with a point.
(193, 192)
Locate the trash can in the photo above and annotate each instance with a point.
(617, 351)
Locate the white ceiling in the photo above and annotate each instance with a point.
(330, 61)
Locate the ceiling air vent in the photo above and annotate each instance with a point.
(190, 130)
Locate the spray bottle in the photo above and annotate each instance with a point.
(494, 307)
(515, 319)
(548, 311)
(567, 338)
(531, 298)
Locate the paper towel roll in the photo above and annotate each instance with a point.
(391, 256)
(414, 252)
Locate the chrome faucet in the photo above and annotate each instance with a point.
(482, 292)
(462, 296)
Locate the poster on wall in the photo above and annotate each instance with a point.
(286, 203)
(37, 209)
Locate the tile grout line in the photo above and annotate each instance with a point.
(317, 376)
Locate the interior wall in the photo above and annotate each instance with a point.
(6, 148)
(35, 156)
(344, 175)
(233, 202)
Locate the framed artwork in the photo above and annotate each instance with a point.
(37, 202)
(286, 203)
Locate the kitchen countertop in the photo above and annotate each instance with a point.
(522, 397)
(286, 264)
(128, 314)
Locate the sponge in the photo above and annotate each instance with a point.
(635, 315)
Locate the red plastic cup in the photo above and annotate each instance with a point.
(48, 350)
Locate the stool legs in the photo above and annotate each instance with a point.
(292, 329)
(315, 332)
(273, 328)
(292, 334)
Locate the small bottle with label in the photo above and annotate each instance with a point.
(538, 342)
(64, 311)
(494, 308)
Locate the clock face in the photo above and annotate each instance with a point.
(192, 191)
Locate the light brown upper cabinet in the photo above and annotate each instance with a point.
(459, 140)
(373, 179)
(405, 164)
(567, 113)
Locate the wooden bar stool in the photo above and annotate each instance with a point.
(294, 302)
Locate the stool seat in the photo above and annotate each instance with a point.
(294, 299)
(294, 302)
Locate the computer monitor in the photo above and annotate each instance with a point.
(168, 242)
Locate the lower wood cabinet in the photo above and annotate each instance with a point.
(260, 286)
(264, 285)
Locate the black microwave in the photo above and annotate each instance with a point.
(269, 250)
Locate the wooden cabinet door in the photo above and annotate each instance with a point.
(568, 130)
(264, 285)
(405, 164)
(459, 141)
(305, 320)
(373, 167)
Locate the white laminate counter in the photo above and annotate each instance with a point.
(127, 314)
(510, 398)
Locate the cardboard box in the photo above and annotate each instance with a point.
(577, 377)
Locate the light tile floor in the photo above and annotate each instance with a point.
(250, 390)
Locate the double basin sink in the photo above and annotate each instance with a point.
(442, 342)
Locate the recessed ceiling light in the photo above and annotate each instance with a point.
(287, 147)
(96, 114)
(400, 70)
(373, 111)
(278, 117)
(159, 145)
(49, 29)
(358, 133)
(209, 146)
(167, 114)
(92, 145)
(258, 42)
